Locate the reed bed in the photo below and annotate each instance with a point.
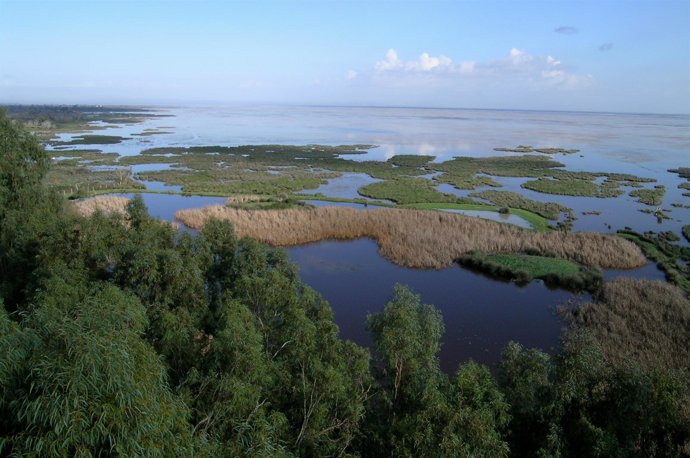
(645, 321)
(104, 204)
(417, 238)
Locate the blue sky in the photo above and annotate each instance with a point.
(630, 56)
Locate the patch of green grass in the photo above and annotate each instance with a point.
(411, 160)
(406, 191)
(510, 199)
(524, 268)
(92, 156)
(80, 181)
(673, 259)
(570, 187)
(686, 232)
(149, 132)
(233, 181)
(323, 198)
(652, 197)
(683, 172)
(538, 223)
(508, 166)
(529, 149)
(270, 203)
(272, 153)
(88, 139)
(467, 181)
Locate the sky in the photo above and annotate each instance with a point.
(604, 55)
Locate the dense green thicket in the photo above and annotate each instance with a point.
(121, 337)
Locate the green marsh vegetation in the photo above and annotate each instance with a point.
(45, 121)
(652, 197)
(571, 187)
(538, 222)
(552, 211)
(524, 268)
(119, 336)
(686, 232)
(408, 191)
(91, 139)
(411, 160)
(670, 257)
(74, 181)
(86, 156)
(530, 149)
(149, 132)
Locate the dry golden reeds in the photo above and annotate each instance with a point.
(417, 238)
(104, 204)
(645, 321)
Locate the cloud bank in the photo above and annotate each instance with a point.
(518, 67)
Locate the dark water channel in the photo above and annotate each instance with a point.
(481, 315)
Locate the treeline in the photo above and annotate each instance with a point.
(121, 337)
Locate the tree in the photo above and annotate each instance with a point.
(407, 335)
(28, 213)
(418, 411)
(77, 379)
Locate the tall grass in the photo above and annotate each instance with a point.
(104, 204)
(415, 238)
(644, 321)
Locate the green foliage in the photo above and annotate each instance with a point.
(419, 411)
(406, 191)
(411, 160)
(576, 405)
(510, 199)
(407, 334)
(121, 336)
(529, 149)
(571, 187)
(28, 214)
(76, 181)
(523, 268)
(673, 259)
(91, 140)
(80, 380)
(539, 223)
(467, 181)
(653, 197)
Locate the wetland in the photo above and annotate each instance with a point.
(579, 194)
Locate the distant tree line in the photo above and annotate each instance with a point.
(121, 337)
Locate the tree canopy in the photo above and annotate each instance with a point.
(121, 336)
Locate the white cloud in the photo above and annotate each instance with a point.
(391, 62)
(518, 66)
(427, 63)
(518, 56)
(352, 74)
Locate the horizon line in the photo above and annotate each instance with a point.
(326, 105)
